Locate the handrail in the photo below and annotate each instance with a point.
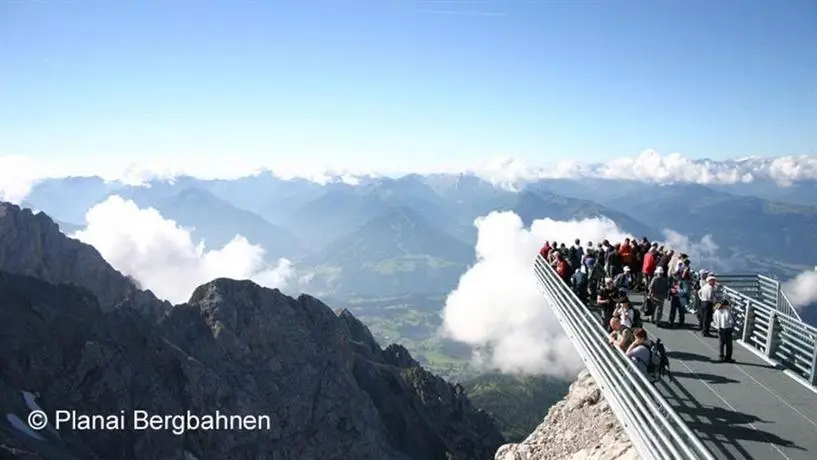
(772, 291)
(784, 305)
(763, 288)
(654, 428)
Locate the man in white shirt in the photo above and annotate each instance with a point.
(708, 296)
(724, 322)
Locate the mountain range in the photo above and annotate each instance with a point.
(235, 345)
(393, 236)
(214, 220)
(80, 336)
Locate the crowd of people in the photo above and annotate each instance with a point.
(604, 275)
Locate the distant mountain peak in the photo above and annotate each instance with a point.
(196, 194)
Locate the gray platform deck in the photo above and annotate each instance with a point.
(744, 410)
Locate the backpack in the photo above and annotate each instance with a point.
(658, 366)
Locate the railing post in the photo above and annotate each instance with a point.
(770, 338)
(748, 322)
(779, 304)
(814, 363)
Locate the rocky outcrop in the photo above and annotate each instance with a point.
(32, 244)
(326, 387)
(580, 427)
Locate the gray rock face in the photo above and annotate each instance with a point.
(329, 390)
(32, 244)
(580, 427)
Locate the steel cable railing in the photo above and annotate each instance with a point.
(655, 429)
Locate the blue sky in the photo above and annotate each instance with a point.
(413, 82)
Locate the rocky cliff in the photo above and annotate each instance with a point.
(32, 244)
(77, 335)
(580, 427)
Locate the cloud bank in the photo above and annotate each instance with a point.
(163, 257)
(497, 308)
(802, 289)
(18, 173)
(650, 166)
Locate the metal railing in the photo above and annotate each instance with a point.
(763, 288)
(765, 326)
(654, 428)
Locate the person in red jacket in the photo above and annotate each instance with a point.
(545, 251)
(626, 253)
(562, 268)
(648, 267)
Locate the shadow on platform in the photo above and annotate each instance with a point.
(721, 428)
(686, 356)
(708, 378)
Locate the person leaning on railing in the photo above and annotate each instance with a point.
(639, 350)
(620, 336)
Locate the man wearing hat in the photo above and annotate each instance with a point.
(724, 321)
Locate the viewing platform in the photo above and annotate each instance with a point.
(762, 406)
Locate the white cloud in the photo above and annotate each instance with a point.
(17, 175)
(704, 253)
(785, 170)
(497, 307)
(802, 289)
(162, 256)
(650, 166)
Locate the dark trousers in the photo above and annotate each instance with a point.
(705, 316)
(581, 292)
(675, 307)
(725, 340)
(607, 310)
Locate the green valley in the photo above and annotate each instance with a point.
(518, 403)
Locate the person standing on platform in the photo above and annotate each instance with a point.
(724, 322)
(708, 295)
(676, 307)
